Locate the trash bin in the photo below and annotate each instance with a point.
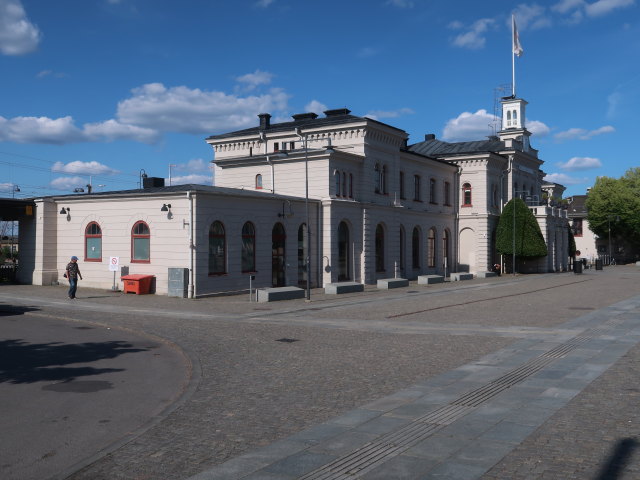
(598, 264)
(137, 283)
(577, 267)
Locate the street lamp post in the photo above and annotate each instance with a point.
(14, 189)
(609, 218)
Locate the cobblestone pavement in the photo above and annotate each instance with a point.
(251, 390)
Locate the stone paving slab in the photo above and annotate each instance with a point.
(470, 446)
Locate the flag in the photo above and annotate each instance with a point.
(517, 48)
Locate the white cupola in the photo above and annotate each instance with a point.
(513, 113)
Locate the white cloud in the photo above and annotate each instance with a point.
(400, 3)
(580, 163)
(565, 6)
(538, 128)
(83, 168)
(193, 166)
(39, 130)
(18, 35)
(468, 126)
(194, 178)
(315, 106)
(252, 80)
(377, 114)
(564, 179)
(531, 17)
(111, 130)
(602, 7)
(185, 110)
(7, 187)
(60, 131)
(582, 134)
(264, 3)
(455, 25)
(474, 39)
(50, 73)
(68, 183)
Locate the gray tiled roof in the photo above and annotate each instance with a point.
(438, 148)
(301, 123)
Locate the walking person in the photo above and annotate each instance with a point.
(72, 274)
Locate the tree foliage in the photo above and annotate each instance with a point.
(529, 241)
(616, 202)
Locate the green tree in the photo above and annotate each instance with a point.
(572, 243)
(616, 202)
(529, 241)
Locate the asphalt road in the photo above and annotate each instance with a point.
(69, 389)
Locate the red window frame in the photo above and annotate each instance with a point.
(466, 189)
(92, 235)
(135, 235)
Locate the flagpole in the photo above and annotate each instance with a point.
(513, 58)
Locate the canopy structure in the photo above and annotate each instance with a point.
(15, 208)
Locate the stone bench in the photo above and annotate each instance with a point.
(486, 274)
(279, 293)
(430, 279)
(343, 287)
(459, 276)
(388, 283)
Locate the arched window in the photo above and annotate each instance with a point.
(508, 118)
(258, 182)
(466, 195)
(401, 248)
(248, 248)
(515, 117)
(376, 178)
(217, 249)
(446, 261)
(343, 252)
(383, 179)
(379, 248)
(140, 243)
(431, 252)
(415, 248)
(93, 243)
(337, 175)
(432, 190)
(351, 185)
(344, 184)
(416, 188)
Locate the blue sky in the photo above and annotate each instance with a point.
(96, 90)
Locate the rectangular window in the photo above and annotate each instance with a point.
(432, 190)
(276, 146)
(140, 249)
(416, 188)
(292, 145)
(402, 185)
(577, 227)
(447, 193)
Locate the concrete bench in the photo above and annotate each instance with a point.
(459, 276)
(388, 283)
(486, 274)
(343, 287)
(279, 293)
(429, 279)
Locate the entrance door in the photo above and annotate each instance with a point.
(302, 256)
(343, 252)
(278, 240)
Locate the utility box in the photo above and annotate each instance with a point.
(598, 264)
(577, 266)
(137, 283)
(178, 282)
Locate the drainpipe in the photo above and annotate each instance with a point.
(192, 247)
(457, 219)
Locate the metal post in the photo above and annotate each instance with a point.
(306, 206)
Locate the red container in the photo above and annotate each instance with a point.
(138, 284)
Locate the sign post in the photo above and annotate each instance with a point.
(114, 266)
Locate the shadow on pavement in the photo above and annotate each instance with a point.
(8, 310)
(614, 467)
(22, 362)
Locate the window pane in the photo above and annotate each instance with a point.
(216, 255)
(248, 257)
(141, 249)
(94, 248)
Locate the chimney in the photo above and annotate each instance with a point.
(336, 112)
(304, 116)
(265, 121)
(152, 182)
(429, 136)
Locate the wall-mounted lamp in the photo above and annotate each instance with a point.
(165, 207)
(66, 211)
(63, 211)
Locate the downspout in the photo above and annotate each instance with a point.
(502, 202)
(457, 218)
(192, 248)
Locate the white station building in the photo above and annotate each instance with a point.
(375, 206)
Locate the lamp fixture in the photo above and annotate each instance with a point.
(63, 211)
(165, 207)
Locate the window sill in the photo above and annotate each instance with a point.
(140, 261)
(93, 259)
(223, 274)
(466, 206)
